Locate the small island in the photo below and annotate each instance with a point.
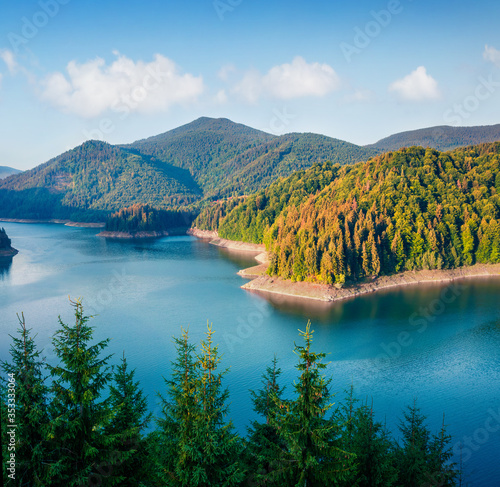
(143, 221)
(6, 250)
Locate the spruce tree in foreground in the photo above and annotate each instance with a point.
(129, 419)
(80, 450)
(176, 426)
(202, 448)
(264, 444)
(31, 417)
(313, 455)
(370, 442)
(423, 459)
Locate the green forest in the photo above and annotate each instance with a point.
(185, 168)
(144, 218)
(443, 138)
(411, 209)
(84, 421)
(5, 242)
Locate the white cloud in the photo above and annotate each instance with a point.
(286, 81)
(221, 97)
(226, 71)
(491, 54)
(91, 88)
(8, 58)
(416, 86)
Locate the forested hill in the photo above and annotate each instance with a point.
(441, 138)
(414, 208)
(205, 159)
(90, 181)
(259, 166)
(227, 158)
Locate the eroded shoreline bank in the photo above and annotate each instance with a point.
(261, 282)
(68, 223)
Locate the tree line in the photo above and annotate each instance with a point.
(84, 421)
(406, 210)
(144, 218)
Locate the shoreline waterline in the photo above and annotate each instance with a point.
(315, 292)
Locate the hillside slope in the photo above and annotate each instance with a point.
(90, 181)
(442, 138)
(406, 210)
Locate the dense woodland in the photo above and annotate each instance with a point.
(412, 209)
(180, 169)
(442, 138)
(84, 421)
(226, 158)
(87, 183)
(144, 218)
(4, 240)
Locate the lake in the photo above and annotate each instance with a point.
(437, 343)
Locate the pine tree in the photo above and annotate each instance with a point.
(422, 459)
(179, 412)
(127, 424)
(80, 449)
(312, 455)
(201, 448)
(218, 447)
(371, 444)
(264, 444)
(31, 417)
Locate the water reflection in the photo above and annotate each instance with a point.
(5, 265)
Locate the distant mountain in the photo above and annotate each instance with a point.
(202, 147)
(259, 166)
(229, 158)
(442, 138)
(92, 180)
(207, 158)
(7, 171)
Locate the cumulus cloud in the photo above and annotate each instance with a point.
(291, 80)
(8, 58)
(491, 54)
(221, 97)
(417, 86)
(226, 71)
(91, 88)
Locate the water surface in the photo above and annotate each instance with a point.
(439, 344)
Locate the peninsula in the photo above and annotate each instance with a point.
(6, 250)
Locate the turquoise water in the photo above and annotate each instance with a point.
(439, 344)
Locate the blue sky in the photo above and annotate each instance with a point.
(124, 70)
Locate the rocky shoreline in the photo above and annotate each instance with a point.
(326, 293)
(261, 282)
(227, 244)
(68, 223)
(8, 253)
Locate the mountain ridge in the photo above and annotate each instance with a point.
(440, 137)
